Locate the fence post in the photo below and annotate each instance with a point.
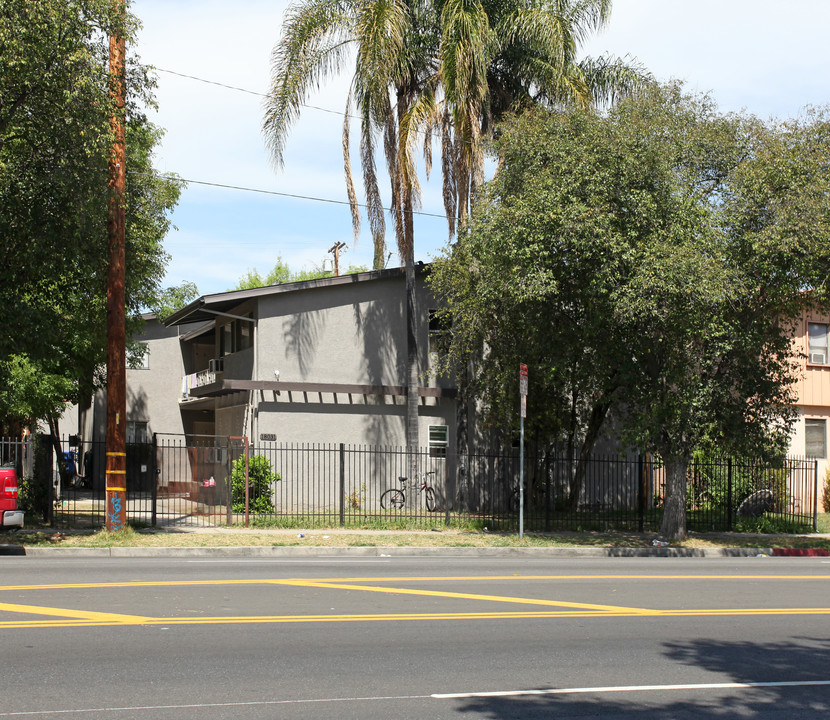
(42, 474)
(342, 484)
(229, 483)
(815, 496)
(641, 495)
(729, 494)
(155, 475)
(547, 491)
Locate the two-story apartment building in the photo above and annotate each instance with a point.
(318, 361)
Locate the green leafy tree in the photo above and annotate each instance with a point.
(282, 273)
(54, 143)
(261, 477)
(651, 260)
(174, 298)
(28, 393)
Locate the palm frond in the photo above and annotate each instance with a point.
(379, 31)
(347, 168)
(374, 203)
(448, 167)
(611, 78)
(313, 46)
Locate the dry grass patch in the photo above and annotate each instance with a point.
(336, 537)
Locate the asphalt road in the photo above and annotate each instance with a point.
(410, 637)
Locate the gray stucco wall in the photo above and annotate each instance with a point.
(153, 393)
(353, 334)
(345, 334)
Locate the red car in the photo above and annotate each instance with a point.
(10, 516)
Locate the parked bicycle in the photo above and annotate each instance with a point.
(396, 497)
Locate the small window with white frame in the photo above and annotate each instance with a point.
(815, 438)
(817, 344)
(439, 440)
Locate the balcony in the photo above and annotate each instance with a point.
(211, 376)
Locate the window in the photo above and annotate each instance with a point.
(137, 432)
(439, 440)
(815, 435)
(138, 356)
(243, 334)
(235, 336)
(817, 337)
(226, 340)
(438, 327)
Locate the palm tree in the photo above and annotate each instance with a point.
(503, 56)
(424, 70)
(394, 62)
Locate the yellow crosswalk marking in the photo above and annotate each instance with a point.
(470, 596)
(77, 614)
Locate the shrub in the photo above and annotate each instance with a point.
(708, 486)
(769, 525)
(825, 500)
(261, 477)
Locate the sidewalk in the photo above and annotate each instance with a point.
(338, 543)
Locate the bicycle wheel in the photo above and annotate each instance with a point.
(429, 499)
(393, 498)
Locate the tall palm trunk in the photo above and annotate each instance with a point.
(412, 398)
(403, 203)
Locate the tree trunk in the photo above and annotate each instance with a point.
(462, 448)
(598, 414)
(54, 431)
(674, 504)
(412, 398)
(403, 201)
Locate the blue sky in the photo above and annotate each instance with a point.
(769, 58)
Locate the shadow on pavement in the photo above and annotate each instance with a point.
(803, 660)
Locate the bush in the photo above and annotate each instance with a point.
(261, 477)
(708, 486)
(825, 500)
(771, 526)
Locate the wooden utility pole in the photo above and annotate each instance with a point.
(335, 249)
(116, 470)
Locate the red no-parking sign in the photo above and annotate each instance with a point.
(523, 387)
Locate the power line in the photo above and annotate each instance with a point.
(293, 196)
(239, 89)
(258, 190)
(263, 95)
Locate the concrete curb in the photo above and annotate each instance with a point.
(257, 551)
(12, 550)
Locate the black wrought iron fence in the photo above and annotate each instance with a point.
(201, 480)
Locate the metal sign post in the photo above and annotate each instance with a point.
(522, 415)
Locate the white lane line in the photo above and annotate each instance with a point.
(437, 696)
(631, 688)
(198, 706)
(279, 561)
